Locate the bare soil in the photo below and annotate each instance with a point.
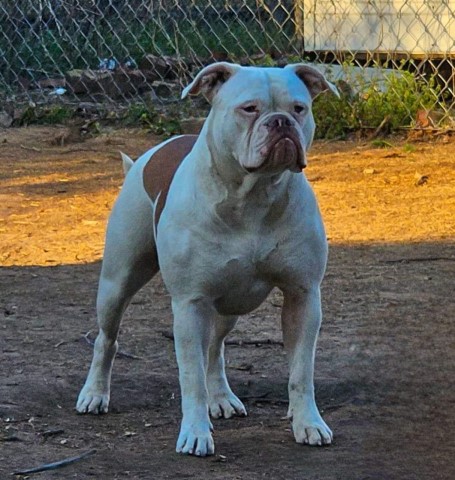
(386, 355)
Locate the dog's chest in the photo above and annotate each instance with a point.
(240, 281)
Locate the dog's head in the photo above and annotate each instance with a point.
(260, 116)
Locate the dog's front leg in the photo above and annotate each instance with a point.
(301, 320)
(222, 400)
(192, 326)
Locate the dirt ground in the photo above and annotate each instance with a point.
(386, 355)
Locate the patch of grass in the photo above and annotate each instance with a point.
(49, 115)
(381, 143)
(409, 148)
(56, 114)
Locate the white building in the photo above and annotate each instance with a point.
(416, 28)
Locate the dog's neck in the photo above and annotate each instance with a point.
(234, 195)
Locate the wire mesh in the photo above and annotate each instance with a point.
(112, 52)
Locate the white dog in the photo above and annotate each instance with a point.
(232, 217)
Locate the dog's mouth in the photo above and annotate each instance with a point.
(285, 153)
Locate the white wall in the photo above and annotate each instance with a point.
(414, 26)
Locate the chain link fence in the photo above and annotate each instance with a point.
(112, 53)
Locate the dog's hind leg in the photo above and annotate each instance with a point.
(222, 401)
(129, 263)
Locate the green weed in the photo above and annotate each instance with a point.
(381, 143)
(48, 115)
(159, 123)
(396, 104)
(56, 114)
(409, 148)
(390, 104)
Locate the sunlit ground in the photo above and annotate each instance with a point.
(54, 201)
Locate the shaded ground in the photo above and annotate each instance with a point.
(386, 356)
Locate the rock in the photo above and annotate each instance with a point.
(420, 179)
(131, 82)
(52, 83)
(151, 97)
(74, 81)
(165, 67)
(18, 113)
(6, 119)
(116, 84)
(255, 59)
(89, 109)
(166, 89)
(219, 56)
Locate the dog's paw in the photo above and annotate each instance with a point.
(195, 441)
(226, 404)
(313, 432)
(90, 401)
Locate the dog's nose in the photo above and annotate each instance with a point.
(278, 121)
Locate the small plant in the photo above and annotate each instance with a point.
(48, 115)
(381, 143)
(409, 148)
(333, 115)
(134, 114)
(27, 116)
(56, 114)
(265, 61)
(165, 124)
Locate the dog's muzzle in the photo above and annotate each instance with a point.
(284, 150)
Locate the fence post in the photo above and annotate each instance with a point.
(299, 24)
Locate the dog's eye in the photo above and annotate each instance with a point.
(250, 109)
(299, 109)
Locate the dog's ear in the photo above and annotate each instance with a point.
(313, 79)
(210, 79)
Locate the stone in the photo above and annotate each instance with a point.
(166, 89)
(6, 120)
(116, 84)
(166, 67)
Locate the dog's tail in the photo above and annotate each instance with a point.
(127, 163)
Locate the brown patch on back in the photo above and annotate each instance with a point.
(161, 167)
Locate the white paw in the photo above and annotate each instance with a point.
(311, 431)
(91, 401)
(195, 440)
(226, 404)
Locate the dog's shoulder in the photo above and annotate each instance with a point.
(161, 167)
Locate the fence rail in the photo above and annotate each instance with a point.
(113, 51)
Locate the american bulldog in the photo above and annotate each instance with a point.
(226, 216)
